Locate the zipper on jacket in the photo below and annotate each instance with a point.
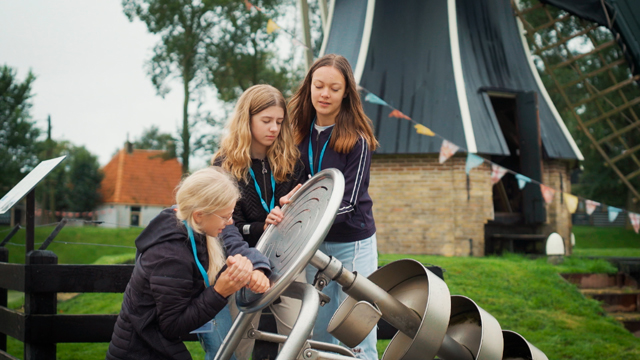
(264, 180)
(316, 157)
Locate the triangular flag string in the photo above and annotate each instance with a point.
(497, 171)
(635, 221)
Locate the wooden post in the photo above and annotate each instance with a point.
(39, 303)
(31, 210)
(4, 257)
(306, 32)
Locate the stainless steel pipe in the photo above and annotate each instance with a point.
(305, 321)
(397, 314)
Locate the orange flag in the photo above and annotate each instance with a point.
(398, 114)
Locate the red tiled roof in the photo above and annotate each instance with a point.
(142, 177)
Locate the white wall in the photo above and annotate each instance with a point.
(116, 215)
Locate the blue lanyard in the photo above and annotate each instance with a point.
(195, 256)
(273, 191)
(311, 149)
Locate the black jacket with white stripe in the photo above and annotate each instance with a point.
(354, 221)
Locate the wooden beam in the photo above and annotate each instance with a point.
(633, 174)
(594, 73)
(78, 278)
(551, 23)
(612, 112)
(528, 10)
(573, 59)
(608, 90)
(627, 152)
(13, 276)
(12, 323)
(624, 130)
(564, 40)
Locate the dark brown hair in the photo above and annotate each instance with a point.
(351, 121)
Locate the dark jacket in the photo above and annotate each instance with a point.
(249, 215)
(354, 220)
(166, 295)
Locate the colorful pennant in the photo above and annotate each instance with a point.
(591, 206)
(473, 161)
(547, 193)
(522, 180)
(272, 26)
(447, 150)
(613, 213)
(375, 100)
(421, 129)
(250, 5)
(398, 114)
(497, 172)
(571, 201)
(635, 221)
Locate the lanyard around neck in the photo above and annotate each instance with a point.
(273, 191)
(311, 149)
(195, 255)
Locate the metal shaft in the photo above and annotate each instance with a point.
(393, 311)
(232, 340)
(305, 321)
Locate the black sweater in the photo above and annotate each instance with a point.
(166, 296)
(249, 215)
(354, 220)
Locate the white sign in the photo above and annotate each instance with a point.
(27, 183)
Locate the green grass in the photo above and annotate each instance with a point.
(70, 244)
(606, 242)
(524, 295)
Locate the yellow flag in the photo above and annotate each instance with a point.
(423, 130)
(272, 26)
(571, 201)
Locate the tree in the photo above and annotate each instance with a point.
(84, 177)
(18, 134)
(198, 39)
(153, 139)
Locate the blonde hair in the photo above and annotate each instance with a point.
(207, 190)
(235, 147)
(351, 121)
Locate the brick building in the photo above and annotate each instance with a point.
(466, 74)
(137, 185)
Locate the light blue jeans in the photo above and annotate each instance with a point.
(212, 341)
(360, 256)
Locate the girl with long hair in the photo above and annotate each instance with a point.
(332, 131)
(170, 293)
(259, 151)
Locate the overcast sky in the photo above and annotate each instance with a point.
(89, 65)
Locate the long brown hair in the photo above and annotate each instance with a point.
(235, 146)
(351, 121)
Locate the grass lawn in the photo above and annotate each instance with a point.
(606, 241)
(524, 295)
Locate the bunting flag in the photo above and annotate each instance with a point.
(374, 99)
(522, 180)
(447, 150)
(571, 201)
(272, 26)
(613, 213)
(250, 5)
(398, 114)
(295, 41)
(547, 193)
(473, 161)
(57, 213)
(635, 221)
(497, 172)
(591, 206)
(421, 129)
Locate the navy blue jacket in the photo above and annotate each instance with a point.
(354, 220)
(166, 295)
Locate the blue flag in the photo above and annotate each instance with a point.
(473, 160)
(613, 213)
(522, 180)
(374, 99)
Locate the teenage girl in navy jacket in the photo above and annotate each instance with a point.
(332, 131)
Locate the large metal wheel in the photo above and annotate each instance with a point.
(293, 242)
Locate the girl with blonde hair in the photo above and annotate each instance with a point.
(260, 152)
(170, 293)
(332, 131)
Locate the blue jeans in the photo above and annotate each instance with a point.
(360, 256)
(212, 341)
